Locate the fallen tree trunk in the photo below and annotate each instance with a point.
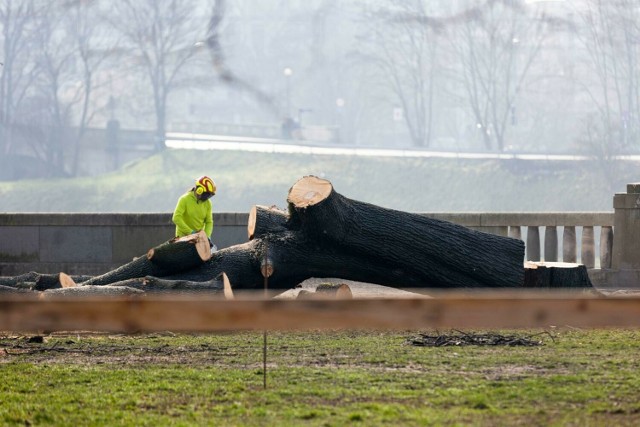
(443, 253)
(295, 258)
(168, 258)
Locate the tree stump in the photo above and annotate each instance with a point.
(556, 275)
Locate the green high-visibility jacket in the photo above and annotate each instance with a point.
(192, 215)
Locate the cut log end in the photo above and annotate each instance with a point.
(228, 292)
(66, 281)
(309, 191)
(251, 225)
(202, 246)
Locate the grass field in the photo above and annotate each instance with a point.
(574, 377)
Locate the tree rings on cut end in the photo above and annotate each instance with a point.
(228, 292)
(251, 225)
(309, 191)
(66, 281)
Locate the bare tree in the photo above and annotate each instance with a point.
(610, 33)
(93, 48)
(495, 48)
(163, 37)
(17, 73)
(405, 51)
(56, 61)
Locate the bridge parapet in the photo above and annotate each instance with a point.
(85, 243)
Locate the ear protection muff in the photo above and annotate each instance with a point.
(199, 189)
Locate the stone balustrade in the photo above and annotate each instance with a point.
(549, 234)
(94, 243)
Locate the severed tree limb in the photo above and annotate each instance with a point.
(151, 284)
(266, 219)
(181, 253)
(155, 284)
(13, 281)
(168, 258)
(91, 290)
(38, 281)
(14, 290)
(443, 254)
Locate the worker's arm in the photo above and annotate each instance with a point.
(178, 219)
(208, 222)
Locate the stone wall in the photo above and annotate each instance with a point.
(93, 243)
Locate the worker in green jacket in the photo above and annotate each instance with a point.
(193, 210)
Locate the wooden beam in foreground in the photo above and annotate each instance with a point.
(208, 314)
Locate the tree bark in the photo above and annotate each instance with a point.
(441, 253)
(91, 290)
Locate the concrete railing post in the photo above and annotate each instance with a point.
(514, 231)
(569, 244)
(587, 252)
(606, 246)
(551, 243)
(626, 244)
(533, 243)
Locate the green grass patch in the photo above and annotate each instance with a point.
(318, 378)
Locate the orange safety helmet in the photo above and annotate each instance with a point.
(204, 184)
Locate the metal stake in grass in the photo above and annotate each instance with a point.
(266, 268)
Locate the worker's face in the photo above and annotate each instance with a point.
(204, 196)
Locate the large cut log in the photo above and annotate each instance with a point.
(556, 275)
(295, 258)
(168, 258)
(442, 253)
(266, 219)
